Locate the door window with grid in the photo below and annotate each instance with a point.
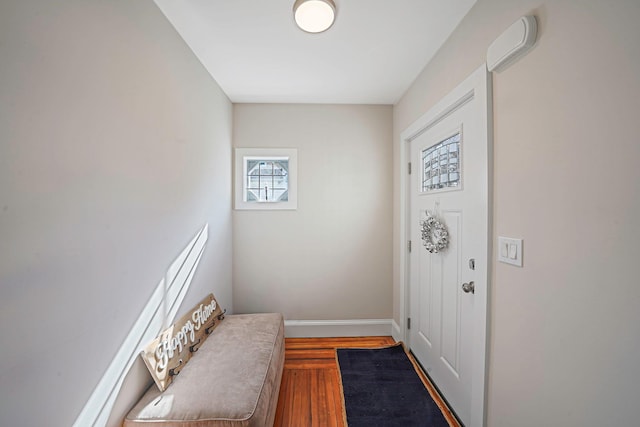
(441, 165)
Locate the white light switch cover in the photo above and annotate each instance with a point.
(510, 250)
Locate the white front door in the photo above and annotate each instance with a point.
(448, 289)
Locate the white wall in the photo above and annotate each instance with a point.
(330, 258)
(115, 148)
(564, 328)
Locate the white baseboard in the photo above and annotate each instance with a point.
(337, 328)
(396, 332)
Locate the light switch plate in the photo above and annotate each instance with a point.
(510, 250)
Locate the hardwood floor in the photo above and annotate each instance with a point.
(310, 389)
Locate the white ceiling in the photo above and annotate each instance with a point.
(371, 54)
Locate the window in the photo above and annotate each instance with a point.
(441, 165)
(265, 178)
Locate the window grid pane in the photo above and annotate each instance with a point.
(441, 164)
(267, 180)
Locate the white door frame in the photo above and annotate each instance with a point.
(478, 86)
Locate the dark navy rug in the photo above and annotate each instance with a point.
(381, 388)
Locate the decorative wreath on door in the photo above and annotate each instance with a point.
(434, 234)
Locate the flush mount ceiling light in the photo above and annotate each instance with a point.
(314, 16)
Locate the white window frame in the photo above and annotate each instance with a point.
(244, 154)
(442, 138)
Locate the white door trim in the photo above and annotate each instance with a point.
(478, 86)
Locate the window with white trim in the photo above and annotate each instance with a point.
(441, 164)
(265, 178)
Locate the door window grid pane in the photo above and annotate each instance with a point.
(441, 164)
(267, 181)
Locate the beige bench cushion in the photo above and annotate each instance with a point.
(232, 380)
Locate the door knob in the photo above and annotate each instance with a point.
(469, 287)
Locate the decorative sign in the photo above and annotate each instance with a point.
(168, 353)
